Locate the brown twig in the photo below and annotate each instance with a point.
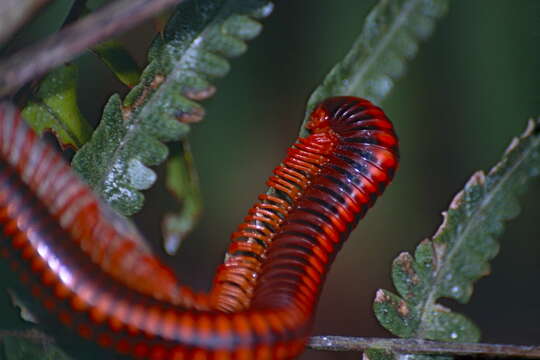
(419, 346)
(344, 343)
(14, 13)
(64, 45)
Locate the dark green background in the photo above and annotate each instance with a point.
(467, 93)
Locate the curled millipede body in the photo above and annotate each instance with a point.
(110, 241)
(237, 277)
(82, 263)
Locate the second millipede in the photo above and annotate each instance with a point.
(92, 271)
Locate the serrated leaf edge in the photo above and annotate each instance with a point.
(478, 178)
(140, 109)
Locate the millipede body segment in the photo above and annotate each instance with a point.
(89, 268)
(236, 278)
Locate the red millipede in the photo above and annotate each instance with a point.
(237, 277)
(91, 270)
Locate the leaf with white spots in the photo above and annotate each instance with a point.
(448, 265)
(192, 50)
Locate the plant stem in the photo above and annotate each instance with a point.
(419, 346)
(344, 343)
(64, 45)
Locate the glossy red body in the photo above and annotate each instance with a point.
(91, 269)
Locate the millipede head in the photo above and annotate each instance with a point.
(318, 120)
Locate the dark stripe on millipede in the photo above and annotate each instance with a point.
(353, 180)
(246, 253)
(361, 140)
(341, 106)
(355, 109)
(340, 199)
(322, 203)
(317, 214)
(366, 155)
(360, 117)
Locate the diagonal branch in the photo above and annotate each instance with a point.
(419, 346)
(344, 343)
(64, 45)
(14, 13)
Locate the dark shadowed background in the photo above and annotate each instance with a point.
(470, 89)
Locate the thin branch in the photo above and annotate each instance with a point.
(344, 343)
(64, 45)
(77, 11)
(419, 346)
(14, 13)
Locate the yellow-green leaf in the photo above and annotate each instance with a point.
(54, 107)
(183, 182)
(118, 59)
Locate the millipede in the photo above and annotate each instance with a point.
(92, 271)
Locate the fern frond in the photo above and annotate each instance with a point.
(390, 37)
(19, 348)
(182, 182)
(447, 265)
(193, 49)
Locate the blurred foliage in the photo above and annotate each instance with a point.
(182, 181)
(54, 107)
(17, 348)
(390, 36)
(111, 52)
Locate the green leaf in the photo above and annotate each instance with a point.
(183, 182)
(384, 354)
(111, 52)
(458, 255)
(15, 314)
(54, 107)
(118, 59)
(389, 38)
(17, 348)
(395, 313)
(12, 314)
(378, 354)
(191, 51)
(21, 308)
